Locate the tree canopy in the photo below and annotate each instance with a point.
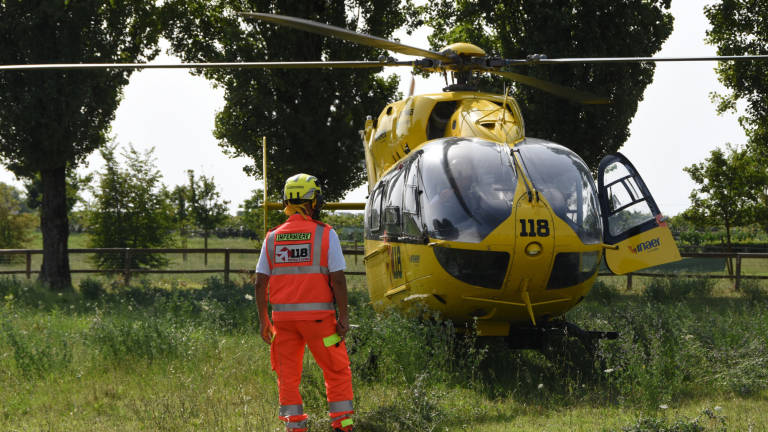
(51, 120)
(740, 28)
(310, 117)
(131, 209)
(573, 28)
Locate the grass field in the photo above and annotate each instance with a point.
(179, 353)
(151, 357)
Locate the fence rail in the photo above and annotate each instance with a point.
(127, 271)
(127, 253)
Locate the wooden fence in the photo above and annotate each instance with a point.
(737, 276)
(128, 253)
(127, 271)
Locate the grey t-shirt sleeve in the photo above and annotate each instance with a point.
(336, 260)
(263, 265)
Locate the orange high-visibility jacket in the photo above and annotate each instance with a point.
(299, 283)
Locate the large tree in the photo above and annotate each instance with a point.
(51, 120)
(740, 27)
(205, 205)
(310, 117)
(725, 195)
(570, 28)
(131, 209)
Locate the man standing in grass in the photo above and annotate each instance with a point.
(302, 264)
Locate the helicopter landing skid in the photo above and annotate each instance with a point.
(540, 337)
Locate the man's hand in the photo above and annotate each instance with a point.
(342, 326)
(267, 331)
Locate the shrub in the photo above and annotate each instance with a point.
(603, 293)
(91, 289)
(40, 353)
(676, 289)
(752, 291)
(147, 338)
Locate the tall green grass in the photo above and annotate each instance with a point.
(158, 357)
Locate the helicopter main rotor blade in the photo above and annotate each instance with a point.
(555, 89)
(347, 35)
(226, 65)
(541, 59)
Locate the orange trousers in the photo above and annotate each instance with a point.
(287, 354)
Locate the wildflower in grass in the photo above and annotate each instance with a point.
(718, 408)
(249, 297)
(664, 406)
(609, 370)
(541, 386)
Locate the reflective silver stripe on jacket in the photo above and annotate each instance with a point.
(340, 406)
(277, 271)
(317, 248)
(297, 425)
(271, 247)
(291, 410)
(302, 307)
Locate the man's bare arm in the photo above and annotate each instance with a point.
(262, 281)
(339, 287)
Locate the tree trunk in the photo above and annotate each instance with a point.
(54, 226)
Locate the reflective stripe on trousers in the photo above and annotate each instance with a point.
(291, 410)
(302, 307)
(340, 406)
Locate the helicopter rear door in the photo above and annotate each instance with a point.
(631, 219)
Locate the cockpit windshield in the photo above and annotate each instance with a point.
(565, 181)
(469, 187)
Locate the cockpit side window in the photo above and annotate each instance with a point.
(393, 201)
(374, 209)
(411, 215)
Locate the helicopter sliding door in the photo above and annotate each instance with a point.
(631, 220)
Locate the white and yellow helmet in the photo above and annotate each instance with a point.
(301, 187)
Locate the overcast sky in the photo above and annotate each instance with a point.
(675, 125)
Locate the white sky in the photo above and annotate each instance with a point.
(675, 125)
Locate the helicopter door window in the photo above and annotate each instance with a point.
(627, 207)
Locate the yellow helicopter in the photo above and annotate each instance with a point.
(468, 216)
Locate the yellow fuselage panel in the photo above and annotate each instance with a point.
(407, 275)
(402, 126)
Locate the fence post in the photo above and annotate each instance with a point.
(355, 252)
(127, 266)
(737, 286)
(629, 281)
(29, 265)
(226, 267)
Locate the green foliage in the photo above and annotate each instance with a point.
(583, 28)
(204, 205)
(51, 120)
(130, 210)
(310, 117)
(709, 420)
(753, 291)
(15, 225)
(603, 292)
(40, 353)
(677, 289)
(252, 214)
(727, 191)
(91, 289)
(349, 226)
